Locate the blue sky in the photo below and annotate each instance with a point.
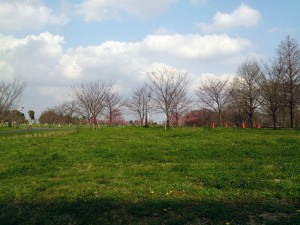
(55, 44)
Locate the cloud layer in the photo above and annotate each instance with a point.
(49, 70)
(18, 15)
(99, 10)
(243, 16)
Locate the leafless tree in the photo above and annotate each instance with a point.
(288, 53)
(67, 111)
(90, 97)
(138, 103)
(50, 117)
(214, 93)
(113, 102)
(271, 89)
(182, 104)
(245, 89)
(168, 89)
(10, 95)
(70, 110)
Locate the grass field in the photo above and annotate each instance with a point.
(150, 176)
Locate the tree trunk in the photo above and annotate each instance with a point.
(168, 123)
(141, 121)
(220, 117)
(110, 118)
(274, 118)
(291, 108)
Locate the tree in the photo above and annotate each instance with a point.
(59, 110)
(50, 117)
(113, 102)
(271, 89)
(192, 118)
(168, 89)
(182, 104)
(15, 116)
(215, 95)
(245, 89)
(137, 103)
(115, 117)
(31, 115)
(71, 111)
(288, 53)
(10, 95)
(90, 97)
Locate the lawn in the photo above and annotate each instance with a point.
(129, 175)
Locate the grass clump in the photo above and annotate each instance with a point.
(151, 176)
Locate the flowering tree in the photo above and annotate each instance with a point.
(114, 117)
(192, 118)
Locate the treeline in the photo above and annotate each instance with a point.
(264, 92)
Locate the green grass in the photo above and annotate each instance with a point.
(150, 176)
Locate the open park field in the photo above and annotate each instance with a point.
(130, 175)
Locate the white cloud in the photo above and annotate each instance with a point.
(33, 57)
(243, 16)
(37, 55)
(99, 10)
(194, 46)
(20, 15)
(49, 69)
(129, 61)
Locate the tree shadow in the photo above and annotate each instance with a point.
(113, 211)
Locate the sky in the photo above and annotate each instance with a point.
(55, 44)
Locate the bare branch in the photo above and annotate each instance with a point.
(169, 89)
(90, 97)
(214, 94)
(10, 95)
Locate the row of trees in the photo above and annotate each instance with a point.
(266, 92)
(87, 108)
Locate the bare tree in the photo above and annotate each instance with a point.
(67, 111)
(271, 89)
(168, 88)
(234, 110)
(113, 102)
(137, 104)
(182, 103)
(10, 95)
(288, 52)
(71, 110)
(214, 94)
(245, 89)
(50, 117)
(90, 97)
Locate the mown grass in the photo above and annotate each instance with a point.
(150, 176)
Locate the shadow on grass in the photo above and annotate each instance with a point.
(110, 211)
